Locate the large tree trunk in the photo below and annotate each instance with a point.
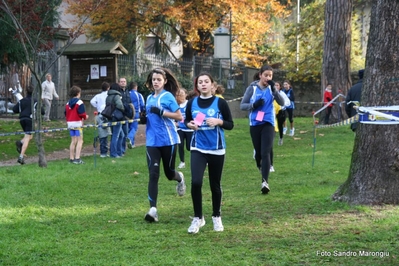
(374, 172)
(337, 49)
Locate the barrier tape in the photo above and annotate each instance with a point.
(378, 115)
(233, 100)
(62, 129)
(330, 102)
(348, 121)
(319, 102)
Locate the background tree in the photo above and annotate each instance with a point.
(337, 48)
(193, 22)
(311, 41)
(373, 176)
(35, 16)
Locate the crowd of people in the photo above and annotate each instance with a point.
(178, 120)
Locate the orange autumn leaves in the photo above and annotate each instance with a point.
(192, 21)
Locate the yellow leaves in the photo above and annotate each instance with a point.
(193, 21)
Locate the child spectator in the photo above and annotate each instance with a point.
(98, 102)
(75, 112)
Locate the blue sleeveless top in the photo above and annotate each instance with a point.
(207, 138)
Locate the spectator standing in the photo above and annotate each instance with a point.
(327, 97)
(139, 106)
(114, 97)
(48, 93)
(127, 103)
(98, 102)
(75, 113)
(26, 119)
(161, 134)
(354, 95)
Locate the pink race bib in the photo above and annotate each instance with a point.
(259, 116)
(199, 119)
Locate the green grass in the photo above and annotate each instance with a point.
(53, 141)
(92, 214)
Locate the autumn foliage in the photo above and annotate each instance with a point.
(29, 22)
(193, 22)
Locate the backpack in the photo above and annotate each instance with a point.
(108, 111)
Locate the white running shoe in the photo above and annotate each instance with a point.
(271, 169)
(152, 215)
(284, 130)
(280, 142)
(129, 143)
(182, 165)
(217, 224)
(292, 132)
(265, 188)
(181, 186)
(196, 224)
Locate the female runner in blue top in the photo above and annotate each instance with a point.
(161, 134)
(258, 100)
(208, 116)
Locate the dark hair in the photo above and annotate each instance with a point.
(289, 83)
(75, 90)
(191, 94)
(261, 70)
(104, 86)
(172, 85)
(196, 90)
(361, 73)
(132, 85)
(115, 86)
(279, 83)
(219, 89)
(29, 90)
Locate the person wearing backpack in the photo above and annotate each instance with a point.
(115, 98)
(128, 112)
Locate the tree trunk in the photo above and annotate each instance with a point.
(38, 125)
(374, 172)
(337, 50)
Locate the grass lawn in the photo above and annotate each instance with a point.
(92, 214)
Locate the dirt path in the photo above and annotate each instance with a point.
(87, 150)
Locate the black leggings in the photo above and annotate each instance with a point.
(185, 137)
(154, 156)
(262, 140)
(290, 115)
(280, 122)
(198, 164)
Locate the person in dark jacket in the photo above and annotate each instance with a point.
(354, 95)
(127, 104)
(114, 97)
(26, 116)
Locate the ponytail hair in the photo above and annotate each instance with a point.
(172, 85)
